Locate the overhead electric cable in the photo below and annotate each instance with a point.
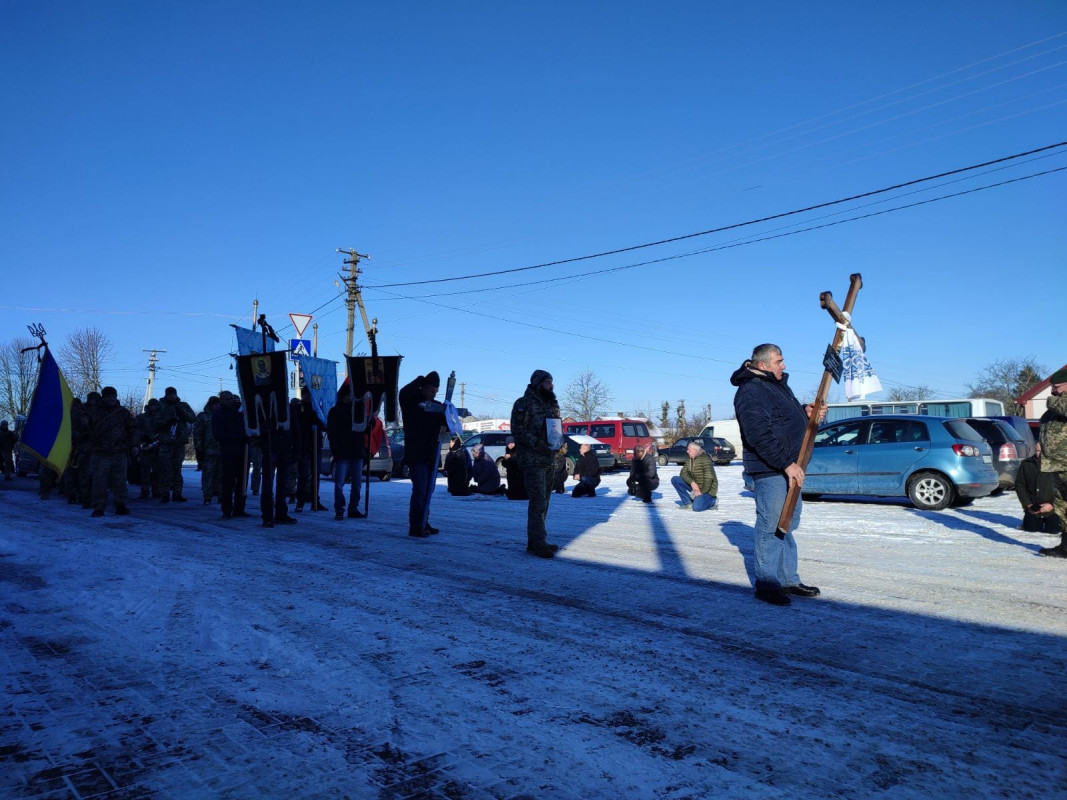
(722, 228)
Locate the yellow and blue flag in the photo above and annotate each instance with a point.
(47, 430)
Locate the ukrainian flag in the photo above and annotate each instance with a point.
(47, 430)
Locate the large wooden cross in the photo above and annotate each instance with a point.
(826, 301)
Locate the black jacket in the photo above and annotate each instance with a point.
(1034, 487)
(345, 443)
(422, 428)
(228, 425)
(588, 467)
(771, 418)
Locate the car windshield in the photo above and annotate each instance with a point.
(961, 430)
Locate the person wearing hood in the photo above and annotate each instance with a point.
(111, 437)
(484, 472)
(772, 423)
(533, 416)
(458, 468)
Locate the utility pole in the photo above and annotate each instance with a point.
(353, 299)
(462, 394)
(151, 372)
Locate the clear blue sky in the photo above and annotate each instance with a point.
(166, 163)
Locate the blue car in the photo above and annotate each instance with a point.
(933, 461)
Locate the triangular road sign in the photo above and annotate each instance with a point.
(300, 322)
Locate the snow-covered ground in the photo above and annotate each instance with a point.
(172, 654)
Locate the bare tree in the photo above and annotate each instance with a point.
(83, 357)
(919, 392)
(18, 375)
(664, 416)
(1006, 379)
(681, 423)
(585, 396)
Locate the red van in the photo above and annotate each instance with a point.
(621, 434)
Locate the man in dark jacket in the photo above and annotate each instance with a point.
(643, 479)
(772, 425)
(484, 472)
(1036, 491)
(111, 437)
(307, 485)
(458, 469)
(173, 424)
(7, 448)
(531, 416)
(697, 484)
(422, 449)
(586, 472)
(347, 450)
(228, 427)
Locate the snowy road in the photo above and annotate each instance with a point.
(171, 654)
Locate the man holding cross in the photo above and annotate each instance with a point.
(772, 423)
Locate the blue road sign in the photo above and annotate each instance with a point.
(298, 348)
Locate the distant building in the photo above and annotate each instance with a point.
(483, 425)
(1035, 401)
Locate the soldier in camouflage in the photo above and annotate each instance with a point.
(82, 451)
(148, 449)
(207, 448)
(536, 454)
(1053, 435)
(172, 423)
(111, 438)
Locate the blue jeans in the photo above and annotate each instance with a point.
(702, 502)
(343, 468)
(423, 482)
(776, 559)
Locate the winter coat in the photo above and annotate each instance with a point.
(308, 420)
(111, 429)
(1032, 486)
(528, 416)
(345, 443)
(588, 468)
(422, 428)
(771, 418)
(204, 441)
(513, 470)
(458, 471)
(484, 472)
(701, 471)
(644, 469)
(228, 427)
(1053, 433)
(172, 420)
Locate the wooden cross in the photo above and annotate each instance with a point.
(826, 301)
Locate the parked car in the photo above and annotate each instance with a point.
(396, 446)
(720, 450)
(620, 434)
(1008, 445)
(605, 458)
(934, 461)
(381, 464)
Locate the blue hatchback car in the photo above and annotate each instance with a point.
(934, 461)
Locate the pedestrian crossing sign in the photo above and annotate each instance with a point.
(299, 348)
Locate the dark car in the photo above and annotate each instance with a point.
(720, 450)
(396, 445)
(605, 458)
(380, 465)
(1008, 445)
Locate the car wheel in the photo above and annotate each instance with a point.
(500, 467)
(663, 461)
(930, 491)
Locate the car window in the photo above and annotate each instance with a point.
(917, 432)
(887, 431)
(602, 431)
(962, 430)
(1010, 433)
(836, 435)
(635, 429)
(577, 429)
(476, 439)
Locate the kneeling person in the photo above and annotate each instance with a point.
(697, 485)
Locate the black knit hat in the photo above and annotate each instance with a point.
(432, 378)
(540, 376)
(1059, 376)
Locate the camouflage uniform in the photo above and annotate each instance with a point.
(111, 435)
(82, 453)
(171, 422)
(1054, 459)
(536, 456)
(207, 447)
(148, 449)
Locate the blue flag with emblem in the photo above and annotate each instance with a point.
(320, 376)
(47, 431)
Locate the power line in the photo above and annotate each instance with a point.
(722, 228)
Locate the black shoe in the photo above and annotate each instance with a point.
(1059, 551)
(355, 512)
(419, 534)
(286, 520)
(339, 515)
(121, 511)
(207, 501)
(178, 498)
(542, 550)
(431, 529)
(97, 512)
(320, 507)
(773, 596)
(165, 498)
(802, 590)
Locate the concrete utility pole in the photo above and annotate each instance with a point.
(151, 372)
(353, 299)
(462, 394)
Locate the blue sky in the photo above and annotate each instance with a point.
(165, 164)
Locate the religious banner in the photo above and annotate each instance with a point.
(381, 377)
(264, 383)
(250, 341)
(320, 377)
